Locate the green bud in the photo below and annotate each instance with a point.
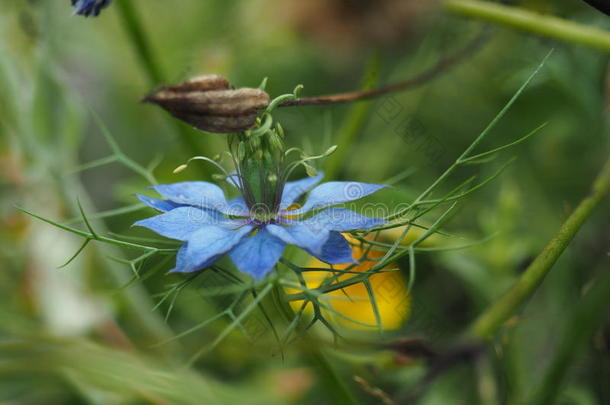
(179, 169)
(310, 170)
(276, 142)
(280, 130)
(330, 150)
(241, 151)
(255, 143)
(263, 84)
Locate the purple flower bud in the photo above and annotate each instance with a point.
(89, 7)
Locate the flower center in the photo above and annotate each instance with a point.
(263, 214)
(264, 218)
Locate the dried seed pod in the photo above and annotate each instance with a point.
(210, 104)
(201, 83)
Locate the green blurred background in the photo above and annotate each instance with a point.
(77, 335)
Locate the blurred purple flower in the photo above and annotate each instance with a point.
(89, 7)
(198, 214)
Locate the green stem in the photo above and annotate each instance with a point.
(531, 21)
(135, 32)
(491, 320)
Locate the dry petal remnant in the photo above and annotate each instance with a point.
(209, 103)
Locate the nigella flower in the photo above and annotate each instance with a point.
(255, 235)
(89, 7)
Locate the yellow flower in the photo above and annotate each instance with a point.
(389, 289)
(390, 236)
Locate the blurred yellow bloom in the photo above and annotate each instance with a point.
(389, 289)
(390, 236)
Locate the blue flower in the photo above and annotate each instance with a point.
(89, 7)
(198, 214)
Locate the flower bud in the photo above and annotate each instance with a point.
(310, 170)
(279, 130)
(179, 169)
(255, 143)
(276, 142)
(331, 150)
(241, 151)
(210, 104)
(89, 8)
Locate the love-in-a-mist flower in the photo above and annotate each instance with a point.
(198, 214)
(89, 7)
(254, 228)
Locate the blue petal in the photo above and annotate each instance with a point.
(294, 189)
(159, 205)
(238, 204)
(209, 243)
(256, 255)
(336, 192)
(183, 265)
(309, 237)
(343, 220)
(181, 222)
(336, 250)
(200, 194)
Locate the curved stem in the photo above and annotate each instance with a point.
(441, 67)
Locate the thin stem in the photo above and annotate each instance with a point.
(463, 158)
(491, 320)
(531, 21)
(141, 45)
(442, 66)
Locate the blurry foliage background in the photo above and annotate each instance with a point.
(74, 336)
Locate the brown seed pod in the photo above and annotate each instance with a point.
(209, 103)
(201, 83)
